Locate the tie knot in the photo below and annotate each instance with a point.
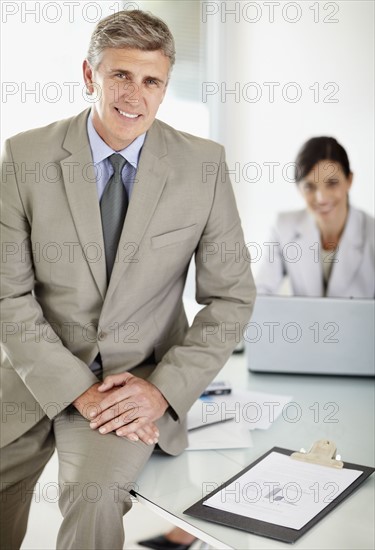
(118, 162)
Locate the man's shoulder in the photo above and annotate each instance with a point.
(45, 135)
(179, 139)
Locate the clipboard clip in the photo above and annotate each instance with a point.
(322, 452)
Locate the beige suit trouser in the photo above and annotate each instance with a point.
(96, 473)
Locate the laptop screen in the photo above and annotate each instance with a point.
(311, 336)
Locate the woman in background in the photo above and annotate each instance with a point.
(326, 249)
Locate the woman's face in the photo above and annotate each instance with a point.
(325, 191)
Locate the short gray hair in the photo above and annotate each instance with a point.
(131, 29)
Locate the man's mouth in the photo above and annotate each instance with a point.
(127, 115)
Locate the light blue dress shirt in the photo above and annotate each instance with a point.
(103, 168)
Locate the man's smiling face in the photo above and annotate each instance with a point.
(130, 85)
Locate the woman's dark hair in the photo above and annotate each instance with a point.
(317, 149)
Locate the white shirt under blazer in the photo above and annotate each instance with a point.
(293, 250)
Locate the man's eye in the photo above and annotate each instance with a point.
(332, 183)
(152, 82)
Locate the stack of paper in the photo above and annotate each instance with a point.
(225, 421)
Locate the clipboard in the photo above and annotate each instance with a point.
(270, 530)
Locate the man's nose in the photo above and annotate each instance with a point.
(131, 93)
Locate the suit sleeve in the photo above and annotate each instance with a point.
(224, 285)
(272, 269)
(49, 370)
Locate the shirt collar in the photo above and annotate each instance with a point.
(100, 150)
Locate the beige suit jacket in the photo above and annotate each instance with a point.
(57, 311)
(295, 246)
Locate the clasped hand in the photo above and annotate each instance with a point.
(124, 404)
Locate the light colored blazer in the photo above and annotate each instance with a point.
(57, 311)
(295, 241)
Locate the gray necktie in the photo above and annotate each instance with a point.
(113, 206)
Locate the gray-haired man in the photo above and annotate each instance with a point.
(99, 348)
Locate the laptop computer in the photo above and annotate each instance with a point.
(311, 336)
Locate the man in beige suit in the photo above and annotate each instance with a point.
(98, 357)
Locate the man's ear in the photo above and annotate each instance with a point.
(87, 77)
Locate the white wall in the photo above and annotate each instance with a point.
(304, 52)
(43, 46)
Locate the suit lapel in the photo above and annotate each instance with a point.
(150, 179)
(349, 255)
(80, 184)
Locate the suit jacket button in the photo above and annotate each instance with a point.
(101, 335)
